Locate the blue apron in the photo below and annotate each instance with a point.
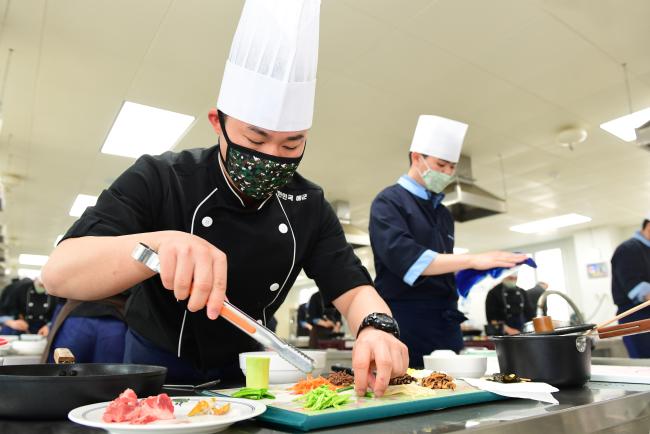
(91, 339)
(425, 328)
(638, 346)
(139, 350)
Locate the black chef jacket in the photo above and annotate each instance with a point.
(266, 246)
(318, 310)
(509, 305)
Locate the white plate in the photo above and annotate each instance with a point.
(29, 348)
(240, 409)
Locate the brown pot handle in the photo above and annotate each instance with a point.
(63, 356)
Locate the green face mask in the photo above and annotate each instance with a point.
(435, 181)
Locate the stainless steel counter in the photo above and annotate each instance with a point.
(596, 408)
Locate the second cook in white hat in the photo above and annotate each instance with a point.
(412, 236)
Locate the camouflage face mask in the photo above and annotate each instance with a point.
(256, 174)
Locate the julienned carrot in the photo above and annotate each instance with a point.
(309, 384)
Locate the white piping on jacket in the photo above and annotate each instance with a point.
(293, 260)
(196, 210)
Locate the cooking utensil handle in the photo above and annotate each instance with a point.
(624, 314)
(229, 312)
(626, 329)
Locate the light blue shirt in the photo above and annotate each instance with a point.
(412, 186)
(638, 236)
(426, 258)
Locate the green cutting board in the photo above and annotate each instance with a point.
(286, 412)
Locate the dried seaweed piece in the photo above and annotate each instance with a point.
(507, 378)
(340, 379)
(402, 379)
(438, 380)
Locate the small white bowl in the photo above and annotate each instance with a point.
(30, 337)
(29, 348)
(443, 353)
(470, 366)
(281, 371)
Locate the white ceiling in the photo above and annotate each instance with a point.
(516, 71)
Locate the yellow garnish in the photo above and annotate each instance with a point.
(221, 410)
(205, 407)
(201, 407)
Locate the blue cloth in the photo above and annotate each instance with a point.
(638, 346)
(466, 279)
(91, 339)
(408, 229)
(425, 328)
(140, 350)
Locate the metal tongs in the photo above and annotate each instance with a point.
(149, 257)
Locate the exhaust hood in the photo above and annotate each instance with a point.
(356, 236)
(467, 201)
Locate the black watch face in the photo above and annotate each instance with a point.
(384, 319)
(382, 322)
(386, 323)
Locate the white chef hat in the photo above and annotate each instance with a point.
(439, 137)
(270, 75)
(647, 216)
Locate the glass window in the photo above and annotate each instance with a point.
(550, 269)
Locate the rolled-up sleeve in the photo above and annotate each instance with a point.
(639, 292)
(393, 243)
(628, 270)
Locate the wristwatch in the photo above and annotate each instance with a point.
(382, 322)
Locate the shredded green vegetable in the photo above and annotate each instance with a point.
(250, 393)
(322, 397)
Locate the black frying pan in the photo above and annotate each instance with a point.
(51, 391)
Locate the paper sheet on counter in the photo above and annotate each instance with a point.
(621, 374)
(528, 390)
